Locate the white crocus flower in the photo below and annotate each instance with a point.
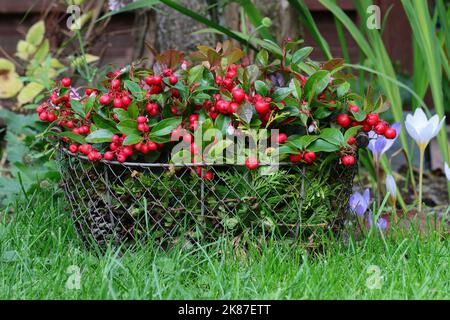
(391, 186)
(447, 171)
(422, 131)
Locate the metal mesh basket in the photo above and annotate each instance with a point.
(121, 203)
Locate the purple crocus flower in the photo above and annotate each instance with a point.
(382, 223)
(359, 203)
(378, 144)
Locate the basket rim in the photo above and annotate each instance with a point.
(176, 165)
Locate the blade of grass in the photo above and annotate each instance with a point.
(255, 18)
(308, 21)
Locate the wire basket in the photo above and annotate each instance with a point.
(128, 202)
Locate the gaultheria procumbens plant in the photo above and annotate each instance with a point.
(145, 115)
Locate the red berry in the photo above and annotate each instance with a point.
(231, 74)
(348, 160)
(88, 91)
(351, 140)
(127, 151)
(344, 120)
(51, 117)
(104, 99)
(152, 146)
(108, 155)
(366, 128)
(390, 133)
(113, 146)
(309, 157)
(353, 108)
(167, 72)
(66, 82)
(372, 119)
(193, 118)
(142, 127)
(173, 80)
(115, 139)
(121, 158)
(73, 148)
(40, 109)
(233, 107)
(141, 119)
(144, 149)
(238, 95)
(157, 80)
(126, 101)
(262, 107)
(251, 163)
(43, 116)
(380, 128)
(295, 158)
(209, 176)
(282, 138)
(115, 84)
(117, 103)
(149, 80)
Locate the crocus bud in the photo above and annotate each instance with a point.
(391, 187)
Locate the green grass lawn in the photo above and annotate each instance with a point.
(40, 254)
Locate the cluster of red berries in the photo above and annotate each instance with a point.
(308, 157)
(120, 98)
(87, 149)
(371, 122)
(118, 150)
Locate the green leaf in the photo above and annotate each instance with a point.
(35, 34)
(351, 132)
(322, 113)
(121, 114)
(332, 135)
(165, 127)
(134, 88)
(72, 136)
(29, 92)
(286, 149)
(222, 122)
(195, 74)
(343, 89)
(133, 110)
(263, 58)
(128, 127)
(360, 115)
(317, 83)
(302, 142)
(132, 139)
(301, 54)
(261, 88)
(77, 107)
(99, 136)
(323, 146)
(104, 123)
(280, 94)
(296, 88)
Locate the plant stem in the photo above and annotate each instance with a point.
(422, 156)
(378, 175)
